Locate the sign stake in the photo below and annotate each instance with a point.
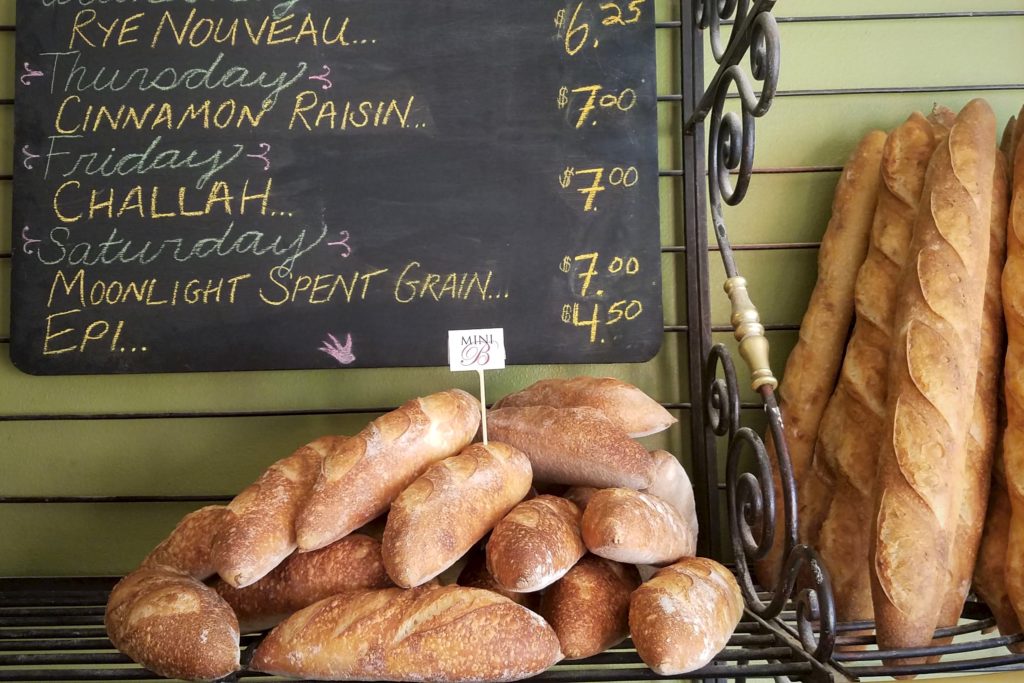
(477, 350)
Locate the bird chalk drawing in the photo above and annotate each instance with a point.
(338, 351)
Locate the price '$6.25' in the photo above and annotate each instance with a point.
(594, 276)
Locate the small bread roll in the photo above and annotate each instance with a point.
(574, 446)
(173, 625)
(474, 574)
(672, 485)
(589, 606)
(187, 548)
(449, 508)
(353, 563)
(535, 544)
(685, 615)
(629, 409)
(635, 528)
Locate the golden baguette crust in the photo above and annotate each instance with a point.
(474, 574)
(684, 615)
(353, 563)
(574, 446)
(173, 625)
(589, 607)
(673, 486)
(633, 527)
(450, 507)
(431, 633)
(629, 408)
(359, 481)
(187, 548)
(982, 436)
(258, 530)
(535, 544)
(812, 366)
(1013, 437)
(841, 481)
(990, 570)
(933, 372)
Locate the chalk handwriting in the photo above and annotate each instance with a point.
(29, 156)
(262, 156)
(343, 242)
(29, 74)
(338, 351)
(324, 77)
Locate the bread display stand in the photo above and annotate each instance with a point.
(52, 629)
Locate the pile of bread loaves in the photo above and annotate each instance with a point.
(287, 552)
(892, 399)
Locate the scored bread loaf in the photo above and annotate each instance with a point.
(841, 481)
(449, 508)
(684, 615)
(933, 371)
(629, 408)
(535, 544)
(982, 435)
(187, 548)
(444, 634)
(173, 625)
(474, 574)
(258, 530)
(353, 563)
(574, 446)
(636, 528)
(812, 366)
(358, 482)
(1013, 437)
(589, 607)
(673, 486)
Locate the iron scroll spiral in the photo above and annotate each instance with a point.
(750, 490)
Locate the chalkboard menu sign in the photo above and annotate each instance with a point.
(272, 184)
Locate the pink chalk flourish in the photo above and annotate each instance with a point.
(29, 156)
(338, 351)
(324, 77)
(343, 242)
(262, 156)
(28, 241)
(29, 74)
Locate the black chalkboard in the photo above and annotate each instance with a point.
(247, 184)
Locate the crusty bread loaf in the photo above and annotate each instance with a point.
(589, 607)
(575, 446)
(430, 633)
(672, 485)
(535, 544)
(450, 507)
(629, 409)
(812, 366)
(636, 528)
(358, 482)
(933, 371)
(1013, 437)
(990, 569)
(685, 615)
(173, 625)
(474, 574)
(187, 548)
(353, 563)
(836, 494)
(983, 432)
(258, 530)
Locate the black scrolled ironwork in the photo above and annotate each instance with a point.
(752, 497)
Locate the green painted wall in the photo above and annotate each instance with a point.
(199, 453)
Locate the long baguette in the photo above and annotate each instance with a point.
(983, 433)
(812, 366)
(173, 625)
(258, 530)
(188, 547)
(843, 475)
(430, 633)
(449, 508)
(932, 376)
(1013, 437)
(353, 563)
(358, 482)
